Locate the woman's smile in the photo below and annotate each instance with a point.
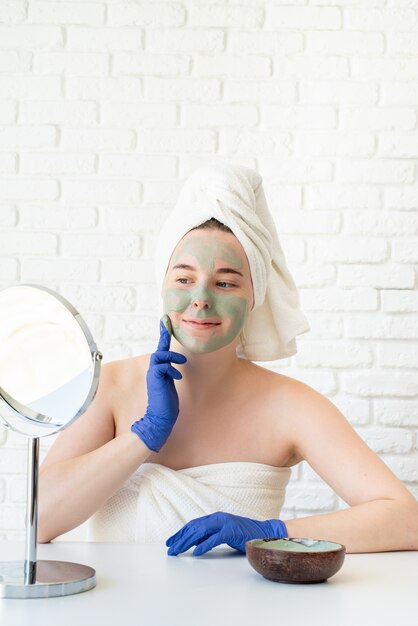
(201, 325)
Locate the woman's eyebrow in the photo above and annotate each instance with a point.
(221, 270)
(228, 270)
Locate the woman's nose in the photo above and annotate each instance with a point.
(200, 304)
(201, 298)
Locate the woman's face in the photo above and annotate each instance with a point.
(207, 291)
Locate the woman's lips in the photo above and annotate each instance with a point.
(201, 325)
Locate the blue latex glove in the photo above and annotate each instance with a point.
(211, 530)
(163, 402)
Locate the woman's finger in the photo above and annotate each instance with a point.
(167, 323)
(208, 544)
(165, 369)
(184, 529)
(163, 356)
(165, 338)
(180, 534)
(193, 537)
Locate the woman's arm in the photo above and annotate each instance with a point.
(383, 514)
(86, 465)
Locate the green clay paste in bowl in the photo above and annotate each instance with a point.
(297, 545)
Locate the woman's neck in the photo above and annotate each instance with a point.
(207, 375)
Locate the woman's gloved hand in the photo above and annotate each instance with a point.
(163, 402)
(211, 530)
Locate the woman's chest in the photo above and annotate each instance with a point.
(241, 430)
(249, 426)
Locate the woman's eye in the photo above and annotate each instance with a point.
(221, 283)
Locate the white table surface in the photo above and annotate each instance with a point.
(140, 584)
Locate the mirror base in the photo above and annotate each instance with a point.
(53, 578)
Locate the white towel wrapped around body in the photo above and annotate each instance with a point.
(156, 501)
(234, 196)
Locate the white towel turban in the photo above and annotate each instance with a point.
(234, 196)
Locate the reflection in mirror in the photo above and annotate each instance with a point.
(49, 373)
(46, 364)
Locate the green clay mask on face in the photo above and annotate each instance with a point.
(222, 304)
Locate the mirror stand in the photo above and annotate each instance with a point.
(40, 579)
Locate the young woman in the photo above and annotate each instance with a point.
(205, 460)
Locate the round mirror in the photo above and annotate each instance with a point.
(49, 363)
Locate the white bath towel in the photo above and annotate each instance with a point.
(157, 501)
(234, 196)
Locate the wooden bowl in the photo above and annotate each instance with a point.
(295, 560)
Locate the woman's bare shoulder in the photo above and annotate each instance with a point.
(300, 414)
(125, 380)
(285, 386)
(291, 396)
(306, 412)
(123, 372)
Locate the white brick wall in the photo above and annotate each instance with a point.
(106, 107)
